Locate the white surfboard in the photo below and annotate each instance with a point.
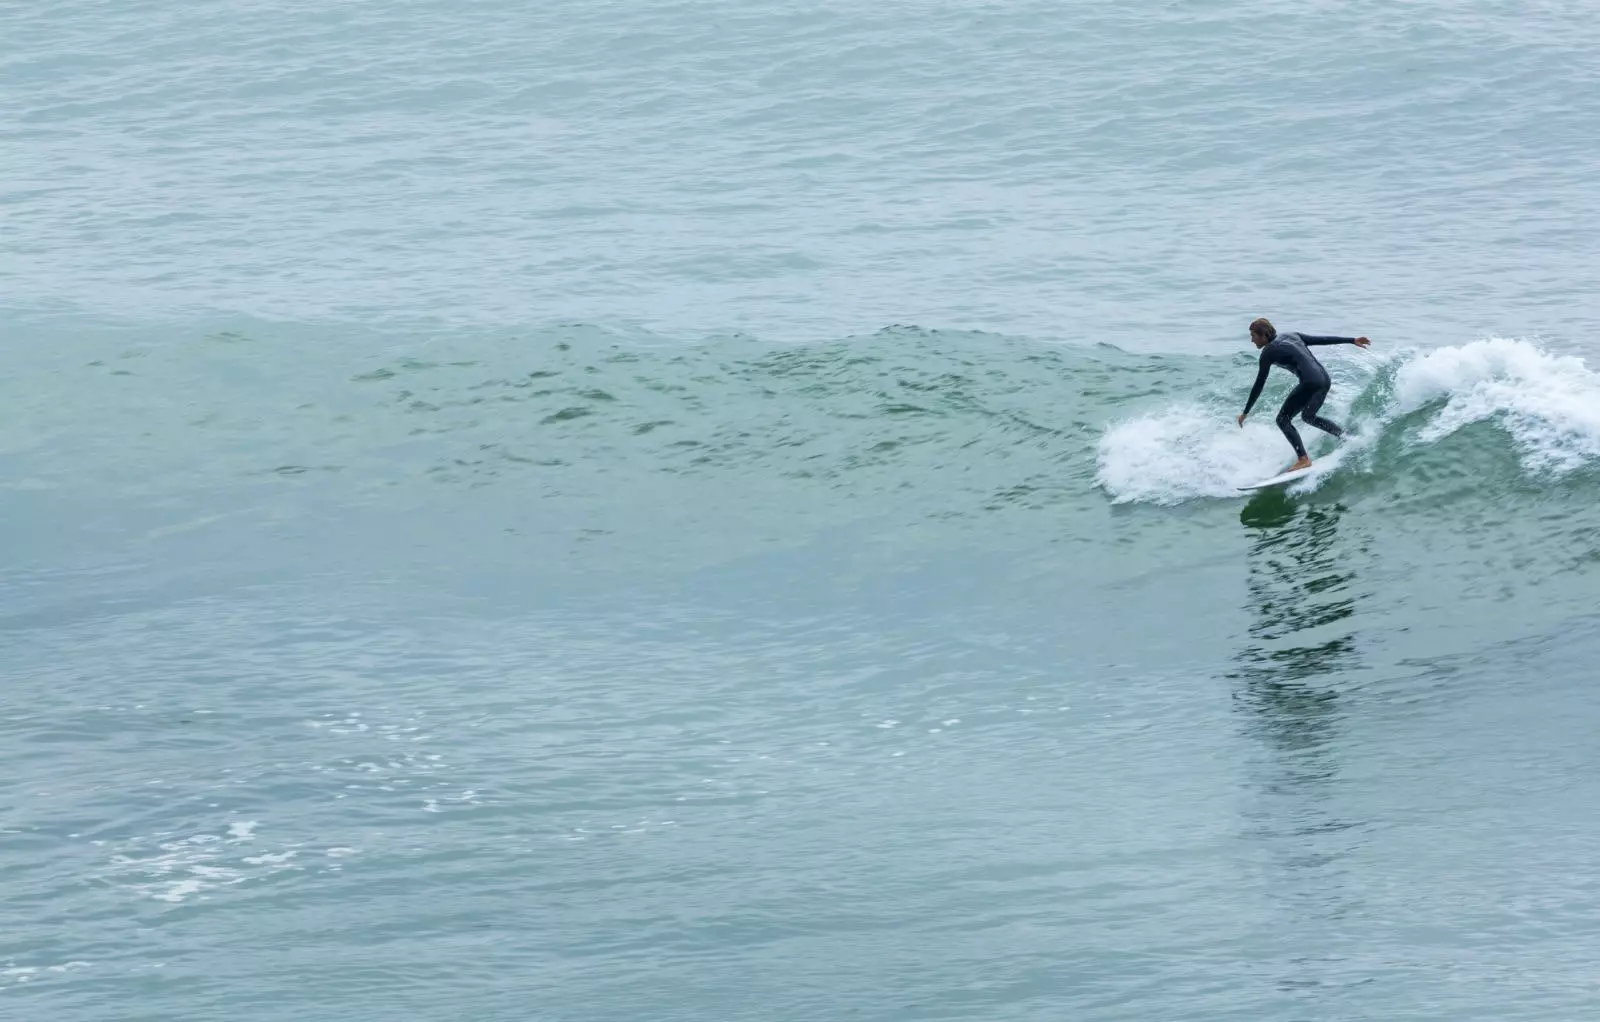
(1280, 479)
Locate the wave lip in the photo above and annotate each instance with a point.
(1549, 404)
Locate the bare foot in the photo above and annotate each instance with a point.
(1297, 466)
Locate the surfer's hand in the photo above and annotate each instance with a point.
(1362, 342)
(1241, 422)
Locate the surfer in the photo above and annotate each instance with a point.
(1293, 351)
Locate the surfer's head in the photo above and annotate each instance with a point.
(1262, 332)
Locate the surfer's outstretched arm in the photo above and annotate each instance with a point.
(1313, 340)
(1255, 392)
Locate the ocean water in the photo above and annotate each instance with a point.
(692, 510)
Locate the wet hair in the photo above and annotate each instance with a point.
(1264, 327)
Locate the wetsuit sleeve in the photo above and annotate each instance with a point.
(1313, 341)
(1261, 381)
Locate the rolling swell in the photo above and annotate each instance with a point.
(907, 422)
(926, 421)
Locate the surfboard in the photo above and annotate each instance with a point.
(1280, 479)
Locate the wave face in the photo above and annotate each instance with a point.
(600, 455)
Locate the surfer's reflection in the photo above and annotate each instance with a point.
(1297, 585)
(1288, 679)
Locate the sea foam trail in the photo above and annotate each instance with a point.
(1548, 404)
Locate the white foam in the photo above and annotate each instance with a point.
(1185, 452)
(1550, 404)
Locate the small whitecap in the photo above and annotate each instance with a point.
(270, 859)
(180, 890)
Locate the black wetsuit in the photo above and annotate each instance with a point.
(1292, 351)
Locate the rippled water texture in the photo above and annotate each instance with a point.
(697, 511)
(1124, 173)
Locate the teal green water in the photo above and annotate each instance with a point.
(484, 539)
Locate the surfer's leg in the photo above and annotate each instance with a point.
(1291, 405)
(1312, 407)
